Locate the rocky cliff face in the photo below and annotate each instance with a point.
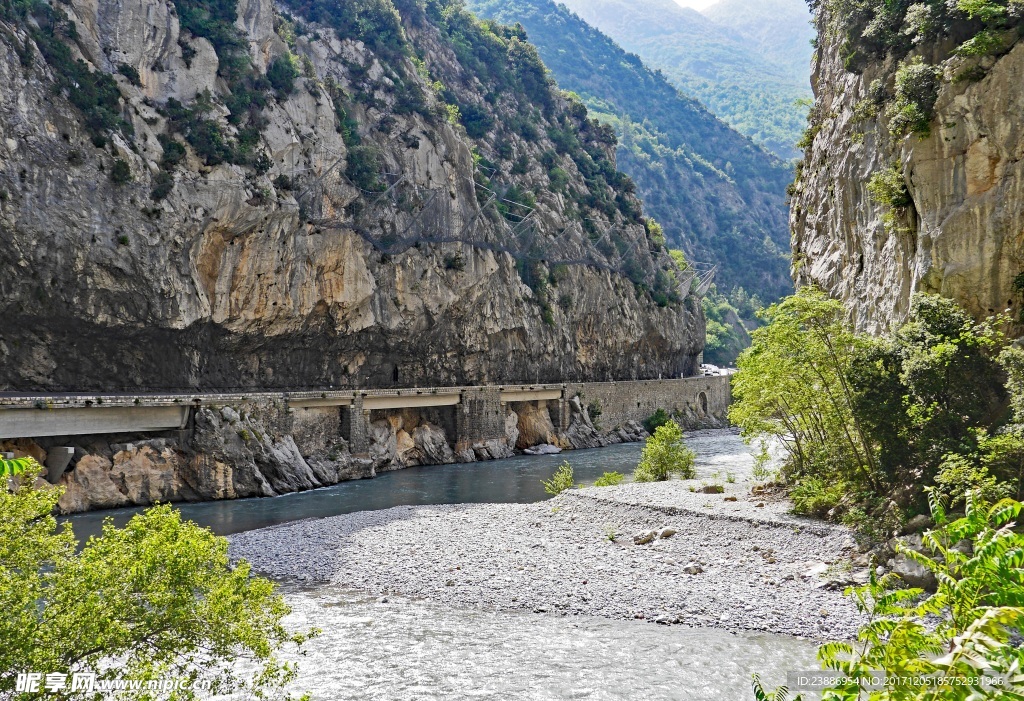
(204, 194)
(913, 177)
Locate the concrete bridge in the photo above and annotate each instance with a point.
(113, 450)
(477, 410)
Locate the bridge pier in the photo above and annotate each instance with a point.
(479, 417)
(355, 426)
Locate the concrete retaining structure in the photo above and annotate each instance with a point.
(118, 450)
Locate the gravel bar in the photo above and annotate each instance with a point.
(729, 564)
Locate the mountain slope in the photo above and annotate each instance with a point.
(779, 31)
(221, 194)
(718, 196)
(717, 66)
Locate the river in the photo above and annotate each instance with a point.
(414, 649)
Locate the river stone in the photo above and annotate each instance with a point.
(711, 489)
(917, 524)
(644, 537)
(913, 573)
(543, 449)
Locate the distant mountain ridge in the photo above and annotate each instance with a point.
(739, 58)
(719, 196)
(781, 30)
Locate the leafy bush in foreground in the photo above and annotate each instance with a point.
(664, 454)
(962, 631)
(158, 596)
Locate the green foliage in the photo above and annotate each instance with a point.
(158, 598)
(913, 104)
(17, 466)
(963, 630)
(958, 475)
(887, 187)
(792, 385)
(363, 166)
(163, 184)
(664, 454)
(121, 173)
(658, 418)
(130, 73)
(561, 480)
(863, 420)
(609, 479)
(282, 73)
(815, 496)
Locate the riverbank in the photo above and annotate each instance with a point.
(730, 564)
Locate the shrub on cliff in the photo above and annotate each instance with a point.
(664, 454)
(933, 647)
(154, 600)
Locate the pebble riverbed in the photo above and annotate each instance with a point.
(736, 561)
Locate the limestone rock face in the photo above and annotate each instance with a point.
(276, 271)
(962, 236)
(534, 424)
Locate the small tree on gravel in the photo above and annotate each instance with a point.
(665, 453)
(560, 481)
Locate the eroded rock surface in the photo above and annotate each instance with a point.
(962, 234)
(275, 270)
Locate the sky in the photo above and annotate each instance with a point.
(696, 4)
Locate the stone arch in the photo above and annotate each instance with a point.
(702, 403)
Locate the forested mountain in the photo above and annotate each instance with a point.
(722, 67)
(718, 196)
(780, 31)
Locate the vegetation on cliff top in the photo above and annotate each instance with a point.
(914, 40)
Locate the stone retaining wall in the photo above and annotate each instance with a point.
(695, 401)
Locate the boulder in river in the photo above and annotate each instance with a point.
(543, 449)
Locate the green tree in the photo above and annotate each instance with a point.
(922, 393)
(561, 480)
(665, 453)
(155, 599)
(282, 73)
(793, 385)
